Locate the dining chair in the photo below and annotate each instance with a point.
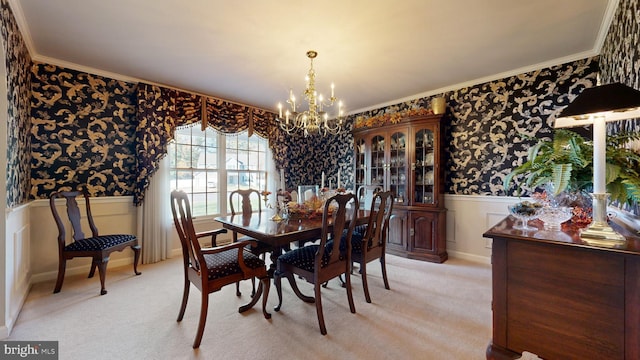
(98, 247)
(319, 263)
(365, 197)
(371, 245)
(366, 193)
(210, 269)
(244, 198)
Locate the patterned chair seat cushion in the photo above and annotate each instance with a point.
(356, 242)
(360, 229)
(226, 263)
(97, 243)
(304, 257)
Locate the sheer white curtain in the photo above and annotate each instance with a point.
(154, 217)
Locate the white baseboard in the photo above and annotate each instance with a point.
(469, 257)
(77, 270)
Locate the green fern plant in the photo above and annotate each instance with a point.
(566, 162)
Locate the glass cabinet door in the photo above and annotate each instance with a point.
(425, 167)
(377, 161)
(398, 166)
(361, 165)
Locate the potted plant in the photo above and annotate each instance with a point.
(566, 162)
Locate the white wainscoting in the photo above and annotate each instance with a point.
(18, 254)
(112, 215)
(468, 217)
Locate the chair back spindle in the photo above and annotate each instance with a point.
(183, 221)
(340, 219)
(244, 197)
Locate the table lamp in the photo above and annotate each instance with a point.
(597, 106)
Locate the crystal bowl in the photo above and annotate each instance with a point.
(553, 217)
(524, 211)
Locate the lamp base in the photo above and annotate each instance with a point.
(599, 233)
(603, 236)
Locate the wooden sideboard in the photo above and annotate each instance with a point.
(559, 298)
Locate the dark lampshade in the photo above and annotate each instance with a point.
(613, 101)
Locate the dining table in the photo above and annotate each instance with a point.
(279, 234)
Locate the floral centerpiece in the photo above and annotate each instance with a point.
(309, 209)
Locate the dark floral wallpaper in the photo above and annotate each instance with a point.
(305, 158)
(18, 63)
(83, 131)
(620, 59)
(486, 122)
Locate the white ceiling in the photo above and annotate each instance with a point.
(377, 52)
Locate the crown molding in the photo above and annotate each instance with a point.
(462, 85)
(607, 19)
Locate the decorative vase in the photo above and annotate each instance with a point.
(438, 105)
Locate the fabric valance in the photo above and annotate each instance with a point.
(161, 110)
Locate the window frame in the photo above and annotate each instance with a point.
(264, 163)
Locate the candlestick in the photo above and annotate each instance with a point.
(338, 186)
(282, 179)
(266, 183)
(329, 184)
(322, 182)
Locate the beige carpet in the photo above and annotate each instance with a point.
(433, 311)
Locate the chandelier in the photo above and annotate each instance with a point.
(314, 120)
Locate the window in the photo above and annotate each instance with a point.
(208, 166)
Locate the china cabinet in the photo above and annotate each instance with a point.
(407, 159)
